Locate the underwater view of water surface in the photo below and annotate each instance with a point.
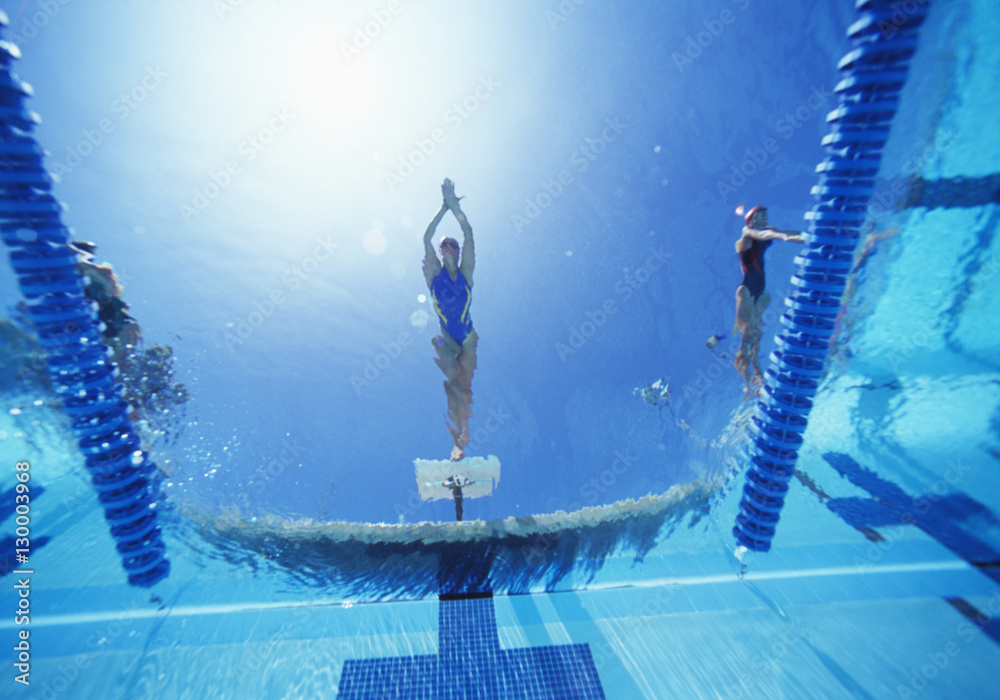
(389, 349)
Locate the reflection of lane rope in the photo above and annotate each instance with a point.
(65, 320)
(732, 444)
(326, 500)
(952, 192)
(376, 561)
(874, 74)
(980, 267)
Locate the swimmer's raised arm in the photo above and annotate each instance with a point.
(468, 263)
(432, 265)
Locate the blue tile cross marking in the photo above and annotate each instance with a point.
(470, 664)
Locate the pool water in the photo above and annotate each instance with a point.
(303, 562)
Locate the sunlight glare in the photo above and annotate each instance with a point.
(326, 87)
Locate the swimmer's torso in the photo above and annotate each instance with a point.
(452, 298)
(752, 262)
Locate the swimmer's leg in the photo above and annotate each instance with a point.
(745, 311)
(763, 301)
(746, 356)
(460, 406)
(759, 308)
(457, 362)
(467, 364)
(447, 359)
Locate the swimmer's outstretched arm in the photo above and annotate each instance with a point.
(770, 233)
(432, 265)
(468, 263)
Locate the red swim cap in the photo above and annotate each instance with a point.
(752, 213)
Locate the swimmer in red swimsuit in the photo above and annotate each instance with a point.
(751, 296)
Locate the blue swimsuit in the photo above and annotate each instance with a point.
(452, 298)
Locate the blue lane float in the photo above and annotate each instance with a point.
(873, 75)
(68, 328)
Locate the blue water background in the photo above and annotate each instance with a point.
(547, 83)
(908, 410)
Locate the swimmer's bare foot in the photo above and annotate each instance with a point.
(457, 453)
(753, 387)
